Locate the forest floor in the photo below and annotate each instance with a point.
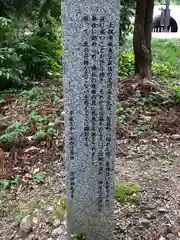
(32, 164)
(32, 185)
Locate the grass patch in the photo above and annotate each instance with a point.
(166, 58)
(166, 50)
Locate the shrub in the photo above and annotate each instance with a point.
(11, 67)
(162, 69)
(126, 66)
(40, 56)
(28, 56)
(41, 50)
(126, 63)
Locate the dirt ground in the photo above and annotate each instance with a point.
(35, 210)
(153, 163)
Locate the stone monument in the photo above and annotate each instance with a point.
(90, 53)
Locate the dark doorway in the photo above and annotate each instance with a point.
(173, 27)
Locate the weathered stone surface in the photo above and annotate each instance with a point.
(162, 210)
(90, 48)
(162, 238)
(175, 136)
(56, 223)
(57, 231)
(25, 226)
(145, 222)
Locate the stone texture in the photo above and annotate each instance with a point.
(57, 231)
(145, 222)
(162, 238)
(175, 136)
(25, 226)
(56, 223)
(90, 48)
(162, 210)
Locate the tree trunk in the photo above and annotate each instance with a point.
(142, 37)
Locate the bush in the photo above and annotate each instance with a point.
(28, 56)
(41, 50)
(40, 56)
(162, 69)
(159, 68)
(11, 67)
(126, 64)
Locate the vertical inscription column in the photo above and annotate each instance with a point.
(101, 153)
(109, 104)
(90, 49)
(86, 93)
(94, 49)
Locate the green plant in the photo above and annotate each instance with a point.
(125, 26)
(142, 127)
(54, 98)
(41, 56)
(5, 183)
(11, 67)
(42, 125)
(162, 69)
(38, 118)
(29, 56)
(33, 95)
(153, 99)
(12, 131)
(31, 9)
(166, 58)
(124, 191)
(38, 177)
(51, 130)
(126, 63)
(123, 114)
(176, 91)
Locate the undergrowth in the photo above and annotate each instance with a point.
(140, 111)
(166, 59)
(36, 123)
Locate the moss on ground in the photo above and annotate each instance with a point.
(59, 207)
(27, 208)
(124, 191)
